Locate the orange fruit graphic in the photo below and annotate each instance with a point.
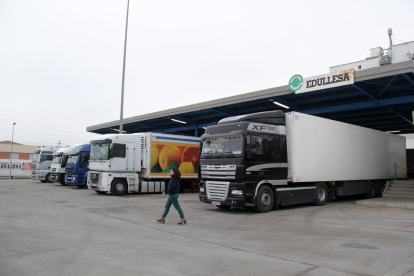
(187, 167)
(169, 154)
(190, 154)
(155, 152)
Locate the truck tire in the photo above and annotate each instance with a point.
(371, 190)
(100, 192)
(265, 200)
(119, 187)
(379, 188)
(321, 194)
(43, 181)
(48, 179)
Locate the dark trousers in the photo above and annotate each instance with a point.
(173, 200)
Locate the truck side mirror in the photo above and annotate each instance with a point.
(111, 153)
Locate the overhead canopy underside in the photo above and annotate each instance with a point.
(381, 98)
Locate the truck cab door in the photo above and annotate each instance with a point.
(118, 157)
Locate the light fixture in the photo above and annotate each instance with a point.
(204, 127)
(119, 130)
(282, 105)
(393, 131)
(178, 121)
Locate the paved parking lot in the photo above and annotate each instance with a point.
(49, 229)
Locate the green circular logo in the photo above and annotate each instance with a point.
(295, 83)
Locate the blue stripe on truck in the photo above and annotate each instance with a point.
(176, 139)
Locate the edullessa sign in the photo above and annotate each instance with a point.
(298, 84)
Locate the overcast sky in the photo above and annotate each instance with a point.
(61, 61)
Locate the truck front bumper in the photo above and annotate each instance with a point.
(99, 181)
(34, 175)
(39, 174)
(229, 199)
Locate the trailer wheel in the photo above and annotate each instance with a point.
(119, 187)
(321, 194)
(100, 192)
(265, 200)
(379, 188)
(371, 190)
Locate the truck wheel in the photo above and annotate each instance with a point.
(265, 200)
(371, 190)
(379, 186)
(321, 195)
(43, 181)
(48, 179)
(100, 192)
(119, 188)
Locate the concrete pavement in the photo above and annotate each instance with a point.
(49, 229)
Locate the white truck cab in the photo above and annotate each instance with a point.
(42, 160)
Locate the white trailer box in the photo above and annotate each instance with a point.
(325, 150)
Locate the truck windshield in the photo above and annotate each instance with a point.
(232, 144)
(46, 158)
(73, 158)
(64, 160)
(36, 157)
(99, 152)
(56, 159)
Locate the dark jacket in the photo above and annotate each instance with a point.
(173, 186)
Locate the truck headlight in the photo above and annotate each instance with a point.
(237, 192)
(202, 190)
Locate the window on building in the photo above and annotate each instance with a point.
(15, 156)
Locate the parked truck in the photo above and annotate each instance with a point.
(141, 162)
(78, 166)
(268, 159)
(58, 166)
(42, 160)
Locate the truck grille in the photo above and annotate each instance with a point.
(218, 171)
(95, 177)
(69, 170)
(217, 190)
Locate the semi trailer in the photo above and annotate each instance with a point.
(141, 162)
(270, 159)
(42, 160)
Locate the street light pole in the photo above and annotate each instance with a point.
(11, 153)
(121, 121)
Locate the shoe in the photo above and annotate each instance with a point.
(182, 221)
(162, 220)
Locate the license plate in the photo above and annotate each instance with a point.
(217, 203)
